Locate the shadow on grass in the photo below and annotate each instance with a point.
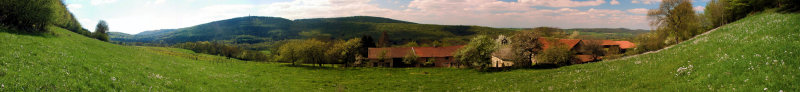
(309, 67)
(40, 34)
(534, 67)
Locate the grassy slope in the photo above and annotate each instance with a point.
(752, 54)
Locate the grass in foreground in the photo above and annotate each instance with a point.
(753, 54)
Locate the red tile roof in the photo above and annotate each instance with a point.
(400, 52)
(570, 43)
(436, 51)
(625, 44)
(609, 42)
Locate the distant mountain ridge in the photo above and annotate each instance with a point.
(275, 28)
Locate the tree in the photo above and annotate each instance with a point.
(411, 44)
(410, 58)
(478, 53)
(593, 47)
(345, 52)
(524, 44)
(674, 18)
(100, 32)
(549, 32)
(290, 51)
(29, 15)
(557, 55)
(312, 51)
(384, 40)
(366, 43)
(715, 12)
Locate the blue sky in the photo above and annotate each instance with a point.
(134, 16)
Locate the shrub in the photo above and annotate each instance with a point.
(29, 15)
(558, 55)
(478, 53)
(100, 31)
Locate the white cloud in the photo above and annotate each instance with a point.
(638, 11)
(98, 2)
(699, 8)
(562, 3)
(74, 7)
(322, 8)
(645, 1)
(156, 2)
(614, 2)
(491, 13)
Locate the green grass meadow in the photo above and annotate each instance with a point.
(761, 52)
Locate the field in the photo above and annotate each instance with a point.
(754, 54)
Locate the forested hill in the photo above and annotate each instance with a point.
(254, 29)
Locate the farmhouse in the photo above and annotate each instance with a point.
(502, 57)
(426, 56)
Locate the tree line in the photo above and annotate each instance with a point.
(33, 16)
(221, 49)
(675, 21)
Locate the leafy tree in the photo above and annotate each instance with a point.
(411, 44)
(478, 53)
(556, 55)
(593, 47)
(312, 51)
(524, 44)
(384, 40)
(410, 58)
(345, 52)
(29, 15)
(290, 51)
(549, 32)
(100, 33)
(676, 19)
(715, 12)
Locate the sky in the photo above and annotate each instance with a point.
(134, 16)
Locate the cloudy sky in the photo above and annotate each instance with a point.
(134, 16)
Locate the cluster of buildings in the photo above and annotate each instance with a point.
(443, 56)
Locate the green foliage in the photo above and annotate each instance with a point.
(478, 53)
(221, 49)
(100, 31)
(345, 52)
(675, 19)
(594, 48)
(330, 28)
(752, 54)
(556, 55)
(310, 51)
(410, 58)
(549, 32)
(524, 44)
(31, 16)
(715, 12)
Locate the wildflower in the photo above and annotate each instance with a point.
(765, 89)
(114, 78)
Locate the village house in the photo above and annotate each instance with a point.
(502, 57)
(426, 56)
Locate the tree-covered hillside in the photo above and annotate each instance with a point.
(259, 29)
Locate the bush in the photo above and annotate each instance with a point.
(29, 15)
(559, 55)
(100, 31)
